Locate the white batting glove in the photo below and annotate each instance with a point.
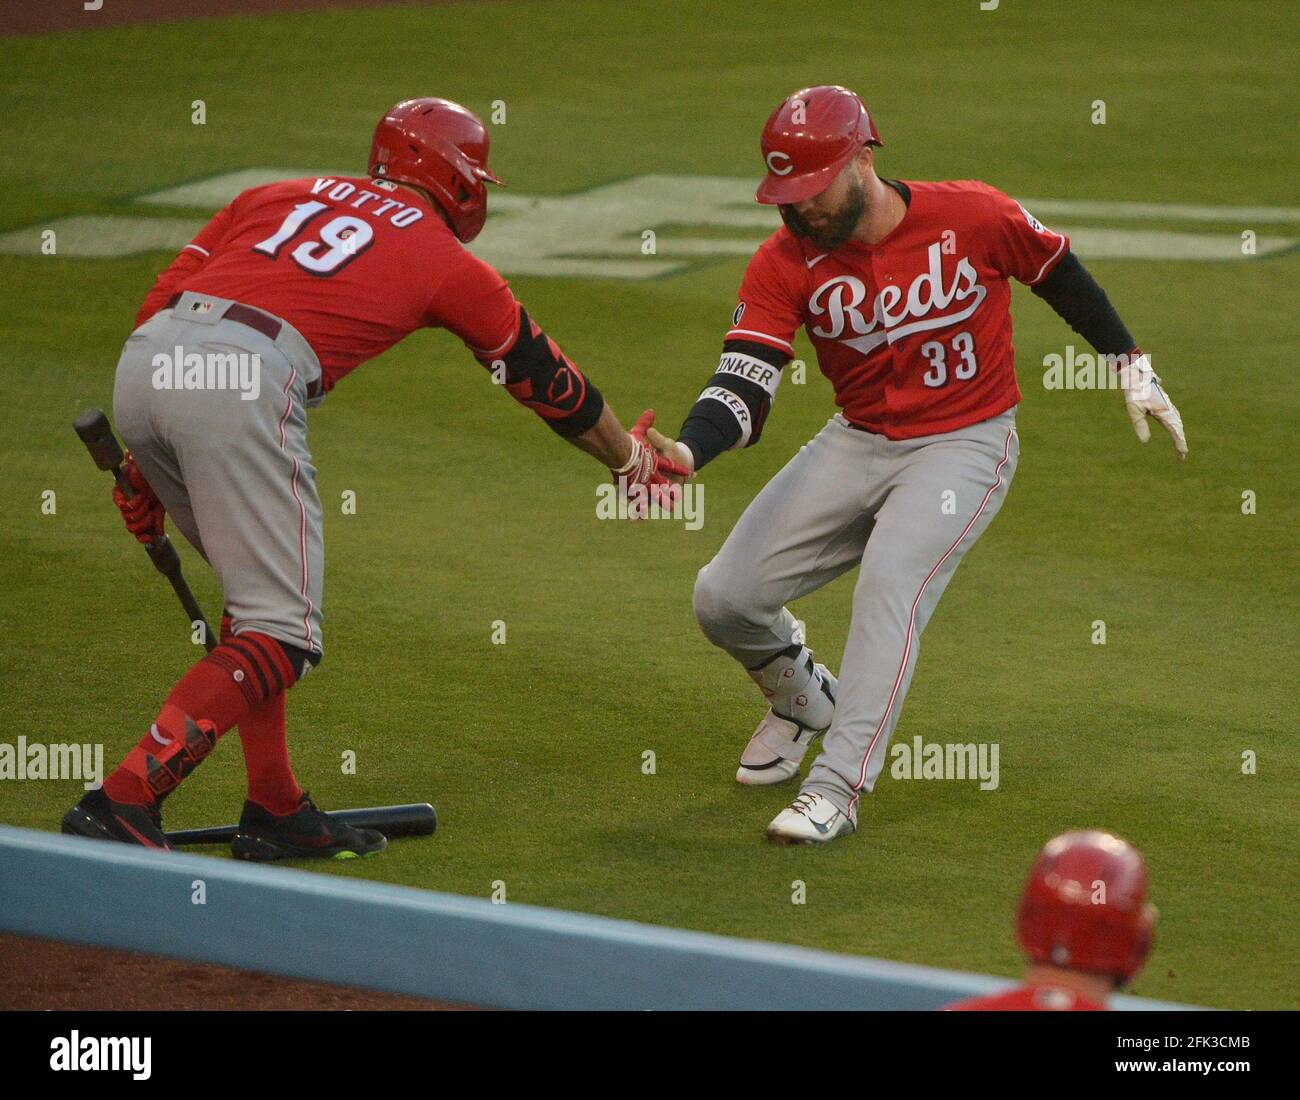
(672, 450)
(1144, 397)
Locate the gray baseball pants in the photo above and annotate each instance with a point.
(223, 441)
(905, 512)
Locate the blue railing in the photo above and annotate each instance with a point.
(443, 946)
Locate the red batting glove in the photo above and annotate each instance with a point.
(645, 475)
(143, 513)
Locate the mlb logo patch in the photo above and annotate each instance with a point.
(200, 307)
(1034, 222)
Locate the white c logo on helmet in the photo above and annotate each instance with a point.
(771, 163)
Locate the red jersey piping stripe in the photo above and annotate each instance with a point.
(302, 549)
(514, 335)
(288, 405)
(302, 515)
(741, 333)
(1049, 261)
(911, 618)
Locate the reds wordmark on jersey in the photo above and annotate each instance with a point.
(914, 332)
(354, 264)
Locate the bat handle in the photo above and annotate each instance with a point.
(168, 562)
(163, 554)
(160, 549)
(124, 482)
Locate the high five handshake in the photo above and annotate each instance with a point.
(902, 287)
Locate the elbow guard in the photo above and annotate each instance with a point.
(539, 376)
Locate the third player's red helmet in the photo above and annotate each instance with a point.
(809, 139)
(1085, 908)
(440, 146)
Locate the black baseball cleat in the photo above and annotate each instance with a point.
(307, 833)
(97, 816)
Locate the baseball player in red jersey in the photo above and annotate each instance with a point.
(281, 294)
(1084, 923)
(903, 290)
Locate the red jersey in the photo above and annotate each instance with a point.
(353, 264)
(1029, 998)
(914, 331)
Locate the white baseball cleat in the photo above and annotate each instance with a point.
(809, 819)
(802, 698)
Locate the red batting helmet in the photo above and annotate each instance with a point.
(809, 139)
(1085, 908)
(440, 146)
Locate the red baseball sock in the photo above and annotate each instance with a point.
(271, 782)
(235, 678)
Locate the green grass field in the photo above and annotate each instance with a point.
(468, 512)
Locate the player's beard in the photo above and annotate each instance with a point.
(839, 226)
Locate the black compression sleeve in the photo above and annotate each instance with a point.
(764, 352)
(709, 430)
(711, 427)
(1083, 305)
(538, 375)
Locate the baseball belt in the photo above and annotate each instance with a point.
(258, 321)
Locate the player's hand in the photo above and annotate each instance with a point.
(144, 512)
(677, 453)
(644, 477)
(1144, 397)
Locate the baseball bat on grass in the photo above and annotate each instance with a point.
(413, 819)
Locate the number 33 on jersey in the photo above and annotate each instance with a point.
(914, 332)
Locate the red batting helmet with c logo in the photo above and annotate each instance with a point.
(440, 146)
(809, 139)
(1085, 906)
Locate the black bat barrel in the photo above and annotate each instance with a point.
(409, 819)
(97, 434)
